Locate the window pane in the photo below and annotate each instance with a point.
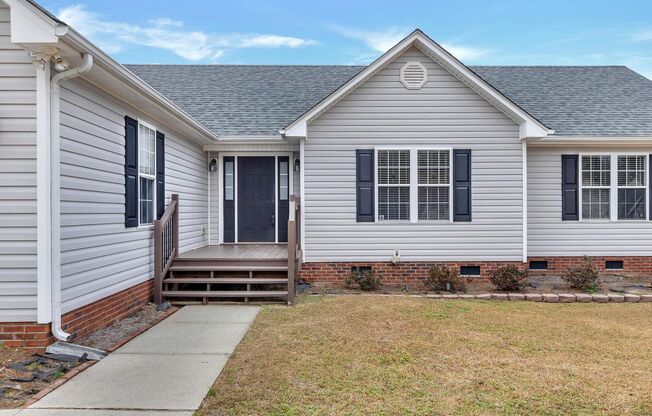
(284, 180)
(228, 180)
(146, 150)
(595, 203)
(394, 167)
(146, 201)
(433, 203)
(631, 171)
(393, 203)
(596, 170)
(433, 167)
(631, 203)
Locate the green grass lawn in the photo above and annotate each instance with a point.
(359, 355)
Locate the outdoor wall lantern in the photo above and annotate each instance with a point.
(212, 166)
(297, 165)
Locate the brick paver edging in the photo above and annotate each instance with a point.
(530, 297)
(70, 374)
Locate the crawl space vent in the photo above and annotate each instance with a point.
(414, 75)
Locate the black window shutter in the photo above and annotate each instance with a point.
(131, 172)
(160, 174)
(364, 159)
(649, 185)
(462, 185)
(569, 188)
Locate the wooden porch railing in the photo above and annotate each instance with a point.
(166, 244)
(294, 246)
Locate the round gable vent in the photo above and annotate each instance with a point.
(414, 75)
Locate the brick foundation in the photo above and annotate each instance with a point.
(414, 273)
(79, 322)
(635, 265)
(404, 273)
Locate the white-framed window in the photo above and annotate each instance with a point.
(632, 187)
(414, 184)
(393, 181)
(596, 186)
(434, 179)
(284, 180)
(146, 174)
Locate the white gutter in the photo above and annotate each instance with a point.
(55, 160)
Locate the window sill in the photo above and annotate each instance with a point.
(146, 227)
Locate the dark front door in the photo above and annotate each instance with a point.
(256, 183)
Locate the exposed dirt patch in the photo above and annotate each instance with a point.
(24, 373)
(106, 337)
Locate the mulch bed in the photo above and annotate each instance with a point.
(26, 376)
(609, 283)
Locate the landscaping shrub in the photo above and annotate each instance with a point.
(584, 276)
(365, 280)
(508, 278)
(443, 278)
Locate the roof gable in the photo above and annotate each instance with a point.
(529, 126)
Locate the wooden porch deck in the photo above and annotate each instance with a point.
(238, 252)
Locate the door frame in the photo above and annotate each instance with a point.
(220, 188)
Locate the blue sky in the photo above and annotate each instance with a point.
(356, 32)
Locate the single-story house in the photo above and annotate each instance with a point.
(118, 182)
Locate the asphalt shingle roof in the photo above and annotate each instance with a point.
(254, 100)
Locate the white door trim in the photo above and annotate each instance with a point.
(220, 186)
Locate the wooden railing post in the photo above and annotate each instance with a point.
(164, 249)
(292, 250)
(175, 222)
(158, 261)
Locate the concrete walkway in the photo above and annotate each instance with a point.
(166, 371)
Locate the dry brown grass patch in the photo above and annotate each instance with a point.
(394, 355)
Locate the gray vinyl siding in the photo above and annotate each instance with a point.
(99, 255)
(214, 201)
(381, 112)
(17, 179)
(548, 235)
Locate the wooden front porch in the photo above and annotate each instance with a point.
(228, 272)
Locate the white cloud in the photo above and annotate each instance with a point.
(169, 34)
(642, 36)
(383, 40)
(380, 41)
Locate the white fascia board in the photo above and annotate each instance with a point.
(31, 26)
(593, 140)
(529, 130)
(528, 125)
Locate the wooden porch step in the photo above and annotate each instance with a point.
(227, 268)
(224, 293)
(228, 280)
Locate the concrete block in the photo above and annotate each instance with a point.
(516, 296)
(533, 297)
(632, 298)
(499, 296)
(550, 297)
(615, 297)
(583, 297)
(567, 298)
(600, 298)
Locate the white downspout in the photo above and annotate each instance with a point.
(55, 160)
